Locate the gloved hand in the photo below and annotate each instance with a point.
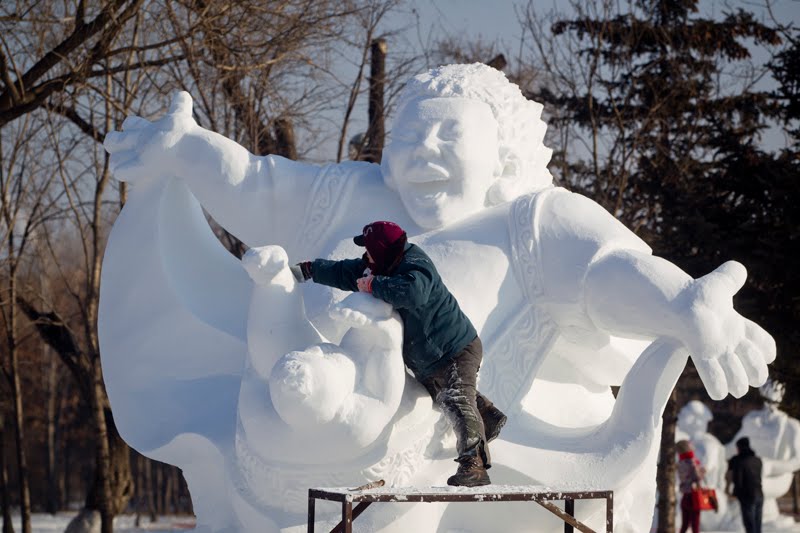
(365, 283)
(301, 271)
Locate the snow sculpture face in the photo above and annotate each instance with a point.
(443, 158)
(464, 138)
(694, 418)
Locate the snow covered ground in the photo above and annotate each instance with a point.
(43, 522)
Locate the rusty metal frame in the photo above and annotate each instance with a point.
(363, 499)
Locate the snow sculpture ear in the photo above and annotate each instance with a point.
(508, 182)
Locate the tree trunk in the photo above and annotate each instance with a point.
(16, 392)
(285, 143)
(8, 526)
(101, 497)
(138, 488)
(376, 132)
(176, 490)
(159, 490)
(51, 505)
(112, 484)
(110, 495)
(665, 478)
(168, 489)
(66, 481)
(151, 504)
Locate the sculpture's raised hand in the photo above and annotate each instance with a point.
(144, 149)
(266, 265)
(729, 351)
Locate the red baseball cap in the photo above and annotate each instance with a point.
(379, 234)
(385, 242)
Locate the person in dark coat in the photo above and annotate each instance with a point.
(744, 472)
(440, 345)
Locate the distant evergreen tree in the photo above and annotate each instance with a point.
(768, 213)
(671, 141)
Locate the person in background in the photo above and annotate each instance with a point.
(690, 474)
(744, 473)
(440, 344)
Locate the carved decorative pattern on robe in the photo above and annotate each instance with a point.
(512, 360)
(269, 485)
(328, 200)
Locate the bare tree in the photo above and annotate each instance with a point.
(261, 72)
(49, 56)
(25, 206)
(8, 526)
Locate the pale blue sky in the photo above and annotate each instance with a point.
(495, 18)
(496, 21)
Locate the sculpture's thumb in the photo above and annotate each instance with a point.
(181, 104)
(729, 276)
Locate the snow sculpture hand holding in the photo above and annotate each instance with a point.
(146, 149)
(729, 351)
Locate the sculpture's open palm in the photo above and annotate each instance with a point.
(729, 351)
(145, 148)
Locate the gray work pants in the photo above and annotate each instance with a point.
(453, 389)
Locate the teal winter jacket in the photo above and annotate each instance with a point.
(434, 328)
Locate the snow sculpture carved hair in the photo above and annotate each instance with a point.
(772, 391)
(522, 155)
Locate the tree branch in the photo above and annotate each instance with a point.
(29, 99)
(6, 77)
(82, 33)
(56, 333)
(72, 114)
(135, 66)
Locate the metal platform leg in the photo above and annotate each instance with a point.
(347, 517)
(569, 508)
(311, 502)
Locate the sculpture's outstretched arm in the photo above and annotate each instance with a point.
(630, 293)
(773, 467)
(252, 197)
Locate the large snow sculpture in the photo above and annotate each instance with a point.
(204, 373)
(693, 420)
(775, 437)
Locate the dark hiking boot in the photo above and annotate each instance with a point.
(471, 472)
(493, 422)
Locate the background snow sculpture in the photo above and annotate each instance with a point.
(775, 438)
(567, 302)
(693, 422)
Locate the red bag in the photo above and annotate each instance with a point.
(704, 499)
